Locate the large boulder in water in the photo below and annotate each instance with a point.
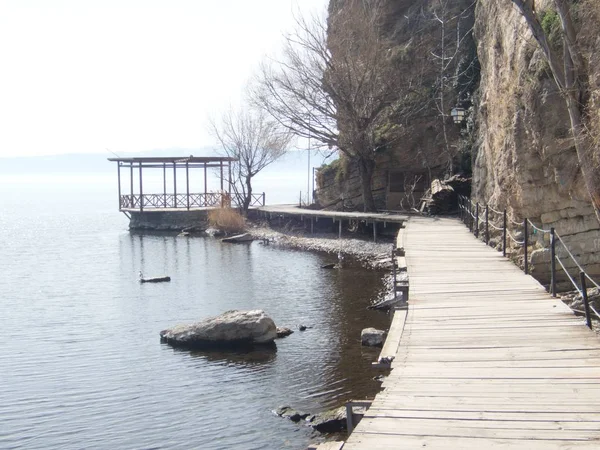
(232, 328)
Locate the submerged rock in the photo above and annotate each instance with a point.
(232, 328)
(290, 413)
(214, 232)
(283, 332)
(372, 337)
(330, 421)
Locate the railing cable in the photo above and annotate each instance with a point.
(541, 230)
(593, 282)
(568, 275)
(514, 239)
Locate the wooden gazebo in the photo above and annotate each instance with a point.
(170, 197)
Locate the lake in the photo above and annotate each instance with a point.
(81, 361)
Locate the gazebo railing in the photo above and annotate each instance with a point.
(185, 201)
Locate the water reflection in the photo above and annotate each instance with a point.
(254, 358)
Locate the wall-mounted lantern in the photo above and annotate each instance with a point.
(458, 114)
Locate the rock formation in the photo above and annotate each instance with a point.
(525, 160)
(232, 328)
(372, 337)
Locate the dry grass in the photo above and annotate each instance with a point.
(228, 220)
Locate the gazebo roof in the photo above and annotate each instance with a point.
(174, 159)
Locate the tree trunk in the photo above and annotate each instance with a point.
(248, 197)
(366, 167)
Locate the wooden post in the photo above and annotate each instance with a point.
(187, 183)
(504, 231)
(174, 184)
(374, 231)
(119, 178)
(553, 262)
(487, 230)
(525, 245)
(394, 267)
(165, 184)
(131, 201)
(349, 422)
(141, 190)
(263, 199)
(340, 229)
(470, 217)
(229, 179)
(586, 303)
(221, 167)
(205, 186)
(312, 225)
(477, 219)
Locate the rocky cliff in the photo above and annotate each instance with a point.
(518, 133)
(417, 142)
(525, 160)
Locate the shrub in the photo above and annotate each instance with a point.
(228, 220)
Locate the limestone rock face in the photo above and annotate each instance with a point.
(525, 160)
(372, 337)
(230, 328)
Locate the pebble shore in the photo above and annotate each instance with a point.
(369, 254)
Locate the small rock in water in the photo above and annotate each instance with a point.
(302, 327)
(386, 360)
(372, 337)
(290, 413)
(330, 421)
(283, 332)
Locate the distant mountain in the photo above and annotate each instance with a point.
(85, 162)
(294, 161)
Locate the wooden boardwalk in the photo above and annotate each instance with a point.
(293, 210)
(487, 359)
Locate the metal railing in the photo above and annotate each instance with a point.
(186, 201)
(471, 215)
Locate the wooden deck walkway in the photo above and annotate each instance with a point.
(487, 359)
(293, 210)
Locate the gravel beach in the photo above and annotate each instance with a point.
(369, 254)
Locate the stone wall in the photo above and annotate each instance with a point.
(168, 220)
(525, 160)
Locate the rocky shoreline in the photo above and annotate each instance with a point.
(369, 254)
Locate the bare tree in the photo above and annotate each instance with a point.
(454, 31)
(572, 78)
(338, 87)
(255, 141)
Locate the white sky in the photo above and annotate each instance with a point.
(80, 76)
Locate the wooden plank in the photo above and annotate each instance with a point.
(486, 359)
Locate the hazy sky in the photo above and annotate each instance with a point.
(79, 76)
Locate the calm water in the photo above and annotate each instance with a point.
(81, 364)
